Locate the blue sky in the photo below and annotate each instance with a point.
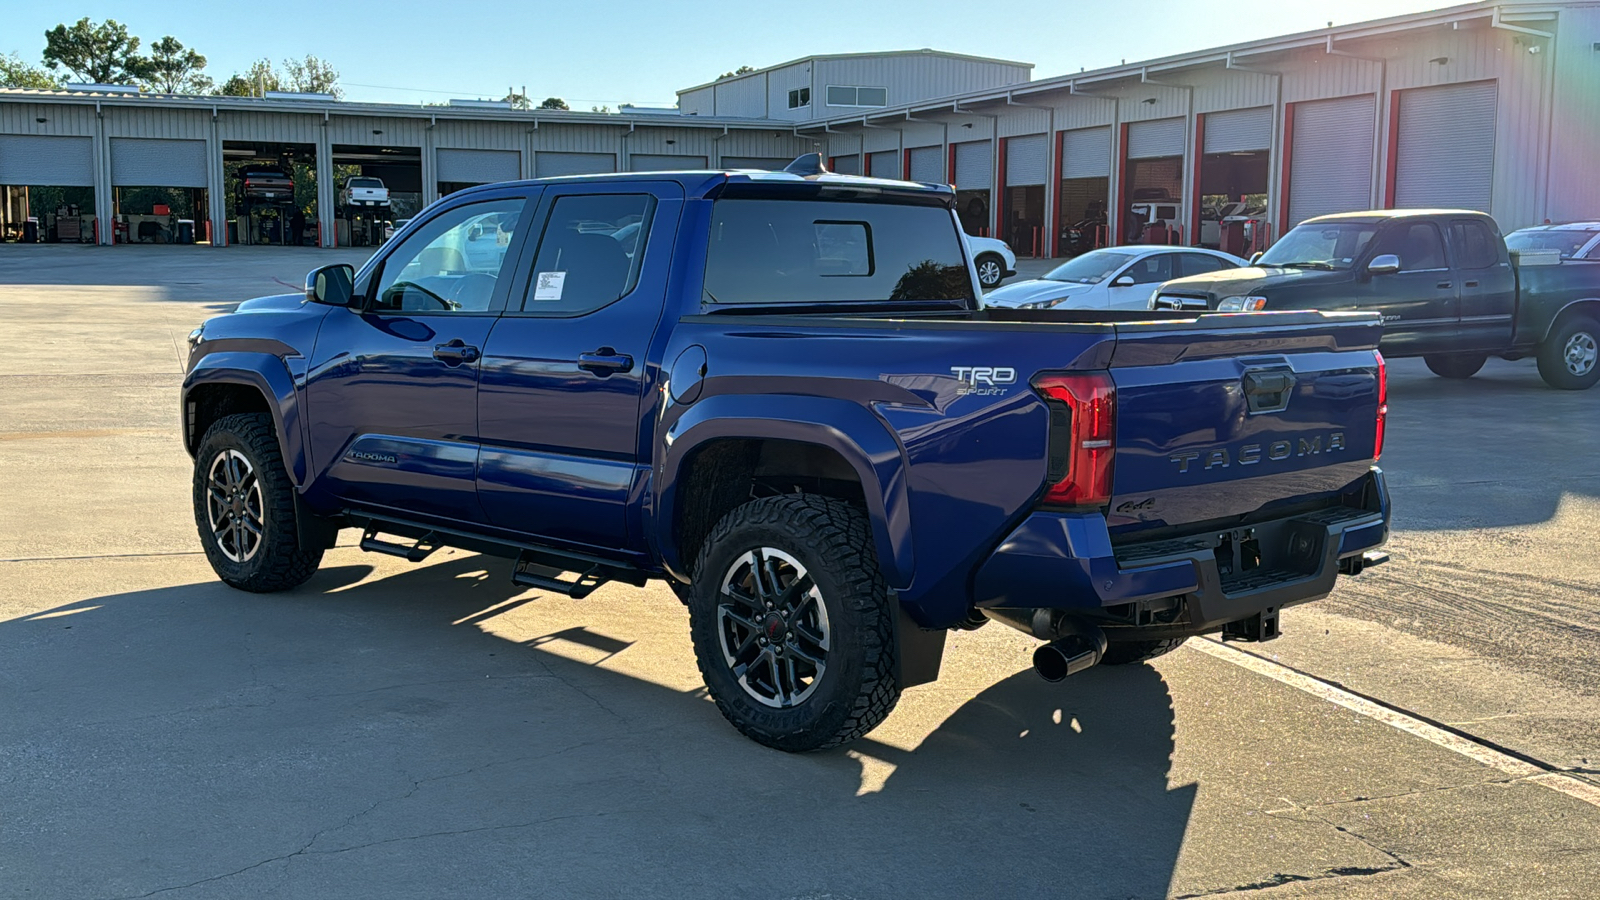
(641, 51)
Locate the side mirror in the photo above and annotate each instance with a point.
(1384, 264)
(1124, 281)
(1256, 257)
(333, 285)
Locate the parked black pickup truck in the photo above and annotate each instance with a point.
(1447, 287)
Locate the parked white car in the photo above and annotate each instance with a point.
(993, 258)
(362, 190)
(1573, 240)
(1110, 278)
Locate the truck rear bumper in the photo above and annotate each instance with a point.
(1181, 586)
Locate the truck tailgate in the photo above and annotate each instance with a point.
(1226, 417)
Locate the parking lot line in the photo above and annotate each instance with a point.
(1489, 756)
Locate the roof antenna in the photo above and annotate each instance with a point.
(807, 165)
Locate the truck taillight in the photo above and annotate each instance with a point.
(1383, 404)
(1083, 428)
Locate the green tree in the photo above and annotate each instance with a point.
(99, 54)
(254, 81)
(15, 73)
(742, 70)
(313, 76)
(175, 69)
(517, 101)
(600, 109)
(554, 103)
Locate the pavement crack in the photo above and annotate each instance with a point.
(1280, 878)
(1310, 807)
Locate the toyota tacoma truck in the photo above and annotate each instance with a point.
(1448, 290)
(781, 395)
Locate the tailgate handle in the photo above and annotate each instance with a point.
(1267, 392)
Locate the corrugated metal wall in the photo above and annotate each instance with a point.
(779, 83)
(1086, 153)
(548, 164)
(1239, 130)
(884, 164)
(663, 162)
(459, 166)
(746, 97)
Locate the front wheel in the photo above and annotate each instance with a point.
(1455, 365)
(792, 623)
(1570, 359)
(244, 507)
(991, 271)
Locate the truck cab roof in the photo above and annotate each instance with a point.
(698, 184)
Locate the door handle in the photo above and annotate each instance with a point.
(455, 353)
(1469, 284)
(604, 361)
(1443, 284)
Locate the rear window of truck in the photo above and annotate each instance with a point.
(811, 251)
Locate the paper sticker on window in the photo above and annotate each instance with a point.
(547, 285)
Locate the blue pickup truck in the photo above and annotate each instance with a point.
(781, 393)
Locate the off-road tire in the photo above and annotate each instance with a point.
(1455, 365)
(1125, 653)
(858, 689)
(999, 269)
(278, 563)
(1553, 363)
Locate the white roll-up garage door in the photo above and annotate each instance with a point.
(478, 166)
(927, 164)
(884, 164)
(1026, 160)
(1086, 153)
(648, 162)
(151, 162)
(974, 166)
(1445, 155)
(1330, 169)
(1239, 130)
(846, 165)
(41, 160)
(770, 163)
(1158, 138)
(549, 164)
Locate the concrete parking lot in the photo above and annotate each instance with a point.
(395, 731)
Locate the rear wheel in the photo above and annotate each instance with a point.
(1122, 653)
(244, 507)
(1570, 359)
(792, 623)
(1455, 365)
(991, 270)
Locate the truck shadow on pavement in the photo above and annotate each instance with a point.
(362, 738)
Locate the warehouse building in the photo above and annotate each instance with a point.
(1488, 106)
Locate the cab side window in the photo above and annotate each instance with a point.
(452, 263)
(1417, 244)
(590, 253)
(1200, 263)
(1475, 246)
(1152, 269)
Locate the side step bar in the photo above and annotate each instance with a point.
(417, 552)
(576, 575)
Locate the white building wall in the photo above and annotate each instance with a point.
(701, 102)
(1572, 185)
(744, 97)
(779, 83)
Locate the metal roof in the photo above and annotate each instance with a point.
(398, 110)
(1513, 14)
(885, 53)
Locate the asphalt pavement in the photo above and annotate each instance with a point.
(395, 731)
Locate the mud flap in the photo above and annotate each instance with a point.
(311, 531)
(919, 652)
